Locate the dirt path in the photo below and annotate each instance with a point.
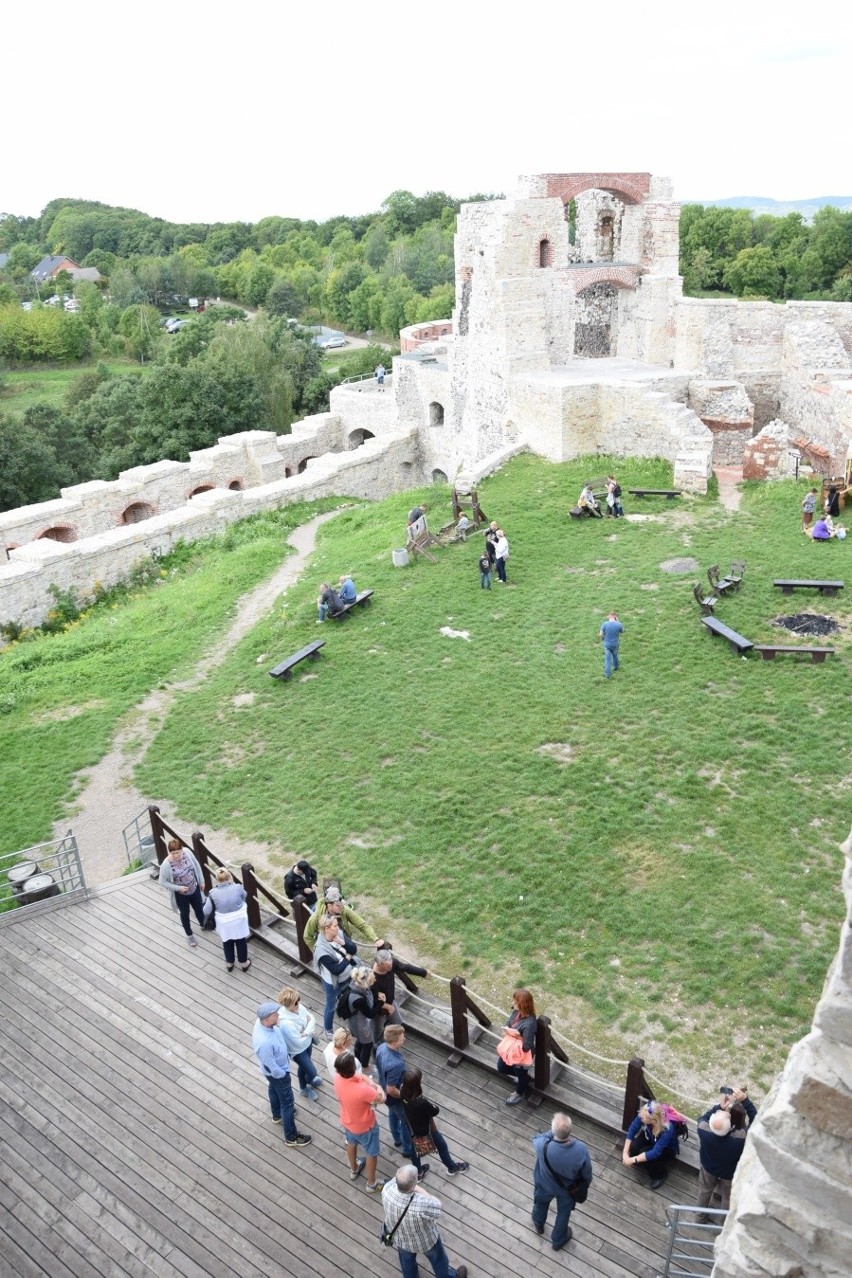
(108, 800)
(729, 477)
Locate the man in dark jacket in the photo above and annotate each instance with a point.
(560, 1161)
(720, 1148)
(385, 968)
(302, 879)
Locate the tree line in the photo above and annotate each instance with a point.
(733, 251)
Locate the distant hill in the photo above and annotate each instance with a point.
(780, 208)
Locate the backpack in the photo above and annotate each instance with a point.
(616, 491)
(342, 1008)
(671, 1115)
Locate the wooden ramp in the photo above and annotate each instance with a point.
(137, 1138)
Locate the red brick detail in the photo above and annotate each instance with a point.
(717, 425)
(633, 188)
(63, 533)
(429, 331)
(582, 277)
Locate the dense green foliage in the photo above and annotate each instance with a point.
(775, 257)
(678, 875)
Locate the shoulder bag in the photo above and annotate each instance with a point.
(385, 1234)
(578, 1189)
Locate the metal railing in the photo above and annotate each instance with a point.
(692, 1239)
(139, 843)
(365, 377)
(40, 873)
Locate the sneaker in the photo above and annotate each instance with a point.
(568, 1236)
(244, 967)
(359, 1167)
(423, 1170)
(277, 1120)
(539, 1229)
(329, 1035)
(310, 1093)
(514, 1099)
(229, 967)
(461, 1271)
(655, 1184)
(376, 1186)
(191, 942)
(458, 1167)
(300, 1140)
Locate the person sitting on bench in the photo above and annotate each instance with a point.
(463, 525)
(347, 591)
(586, 502)
(329, 602)
(417, 512)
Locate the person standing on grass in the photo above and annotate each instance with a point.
(485, 570)
(181, 875)
(358, 1097)
(270, 1048)
(501, 554)
(610, 632)
(808, 507)
(560, 1163)
(228, 899)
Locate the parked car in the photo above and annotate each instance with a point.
(332, 343)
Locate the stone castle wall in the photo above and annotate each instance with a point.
(791, 1206)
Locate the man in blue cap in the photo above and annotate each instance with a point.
(270, 1048)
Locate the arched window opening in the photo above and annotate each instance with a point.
(303, 463)
(545, 253)
(136, 512)
(436, 414)
(202, 488)
(606, 237)
(62, 532)
(288, 471)
(357, 438)
(438, 477)
(236, 486)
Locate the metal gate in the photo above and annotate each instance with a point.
(41, 873)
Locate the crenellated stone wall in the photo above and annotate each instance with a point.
(791, 1205)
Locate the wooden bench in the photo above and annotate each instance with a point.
(705, 602)
(285, 669)
(362, 597)
(787, 586)
(817, 655)
(668, 493)
(721, 584)
(738, 642)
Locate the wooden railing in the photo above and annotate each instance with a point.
(462, 1005)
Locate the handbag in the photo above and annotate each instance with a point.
(512, 1052)
(385, 1234)
(578, 1189)
(422, 1144)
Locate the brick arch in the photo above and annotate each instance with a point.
(303, 463)
(136, 512)
(63, 533)
(202, 488)
(585, 274)
(236, 485)
(633, 188)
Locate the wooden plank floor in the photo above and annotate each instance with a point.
(137, 1138)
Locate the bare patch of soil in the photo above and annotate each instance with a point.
(558, 750)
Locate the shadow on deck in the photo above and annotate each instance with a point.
(137, 1138)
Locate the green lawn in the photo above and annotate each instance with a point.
(23, 388)
(655, 855)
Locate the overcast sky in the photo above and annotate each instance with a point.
(205, 112)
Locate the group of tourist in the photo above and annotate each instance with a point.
(824, 527)
(494, 556)
(588, 504)
(332, 602)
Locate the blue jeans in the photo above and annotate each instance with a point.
(436, 1256)
(305, 1068)
(330, 1004)
(441, 1149)
(282, 1104)
(240, 946)
(399, 1130)
(322, 612)
(485, 580)
(501, 569)
(518, 1072)
(610, 660)
(564, 1206)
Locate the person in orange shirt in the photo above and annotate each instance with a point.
(358, 1097)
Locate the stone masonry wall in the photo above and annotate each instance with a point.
(372, 471)
(791, 1206)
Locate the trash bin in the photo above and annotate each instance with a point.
(19, 874)
(39, 888)
(147, 850)
(400, 558)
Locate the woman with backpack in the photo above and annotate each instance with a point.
(361, 1008)
(613, 497)
(334, 959)
(651, 1142)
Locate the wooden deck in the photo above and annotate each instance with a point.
(137, 1138)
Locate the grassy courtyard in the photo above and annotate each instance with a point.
(655, 855)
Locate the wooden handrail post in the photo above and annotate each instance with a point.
(199, 847)
(250, 885)
(458, 1004)
(636, 1089)
(157, 831)
(301, 914)
(541, 1066)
